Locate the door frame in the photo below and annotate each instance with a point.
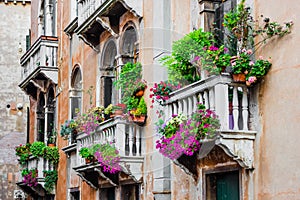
(223, 169)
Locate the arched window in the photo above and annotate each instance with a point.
(76, 92)
(40, 113)
(108, 66)
(129, 45)
(47, 17)
(41, 18)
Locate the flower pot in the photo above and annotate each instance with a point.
(51, 145)
(87, 160)
(139, 93)
(139, 119)
(116, 113)
(241, 78)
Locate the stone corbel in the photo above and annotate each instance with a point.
(104, 22)
(239, 146)
(133, 167)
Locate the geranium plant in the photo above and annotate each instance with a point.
(213, 59)
(23, 151)
(160, 92)
(30, 177)
(182, 135)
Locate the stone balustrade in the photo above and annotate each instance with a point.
(43, 53)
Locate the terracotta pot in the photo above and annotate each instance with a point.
(241, 78)
(51, 145)
(139, 93)
(139, 119)
(87, 161)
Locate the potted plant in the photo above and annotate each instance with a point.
(182, 135)
(51, 154)
(215, 59)
(139, 114)
(50, 180)
(51, 139)
(115, 110)
(258, 70)
(180, 64)
(241, 66)
(86, 153)
(68, 128)
(160, 92)
(30, 177)
(37, 148)
(23, 151)
(108, 157)
(130, 81)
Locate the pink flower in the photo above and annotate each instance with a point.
(233, 64)
(244, 50)
(251, 63)
(260, 57)
(252, 79)
(249, 52)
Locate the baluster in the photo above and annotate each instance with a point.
(190, 105)
(179, 107)
(130, 138)
(54, 56)
(212, 99)
(169, 110)
(114, 134)
(175, 108)
(206, 100)
(245, 109)
(185, 107)
(137, 140)
(222, 105)
(235, 108)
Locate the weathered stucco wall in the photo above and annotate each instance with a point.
(277, 171)
(14, 23)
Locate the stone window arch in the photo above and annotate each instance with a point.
(76, 92)
(107, 68)
(129, 44)
(47, 17)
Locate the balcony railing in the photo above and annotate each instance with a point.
(43, 53)
(87, 7)
(126, 136)
(230, 102)
(40, 164)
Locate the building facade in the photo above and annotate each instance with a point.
(78, 50)
(15, 25)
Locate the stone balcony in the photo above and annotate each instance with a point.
(230, 101)
(127, 137)
(40, 164)
(96, 16)
(39, 63)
